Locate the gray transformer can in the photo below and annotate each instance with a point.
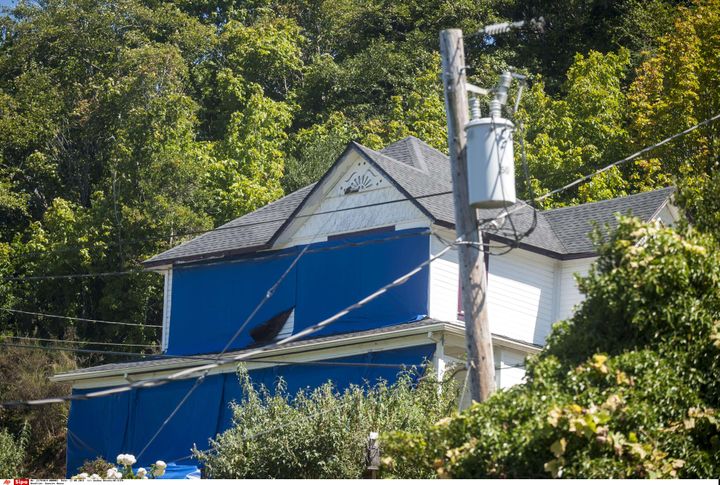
(490, 162)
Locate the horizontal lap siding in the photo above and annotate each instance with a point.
(520, 295)
(444, 279)
(569, 293)
(511, 367)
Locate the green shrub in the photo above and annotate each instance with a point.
(320, 433)
(99, 466)
(25, 376)
(13, 452)
(628, 387)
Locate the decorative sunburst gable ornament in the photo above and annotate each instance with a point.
(361, 179)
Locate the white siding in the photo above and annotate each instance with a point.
(510, 368)
(569, 295)
(310, 228)
(520, 295)
(444, 280)
(668, 215)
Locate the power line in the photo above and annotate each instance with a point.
(48, 348)
(511, 211)
(227, 227)
(90, 320)
(76, 275)
(310, 250)
(628, 158)
(611, 165)
(79, 342)
(270, 292)
(161, 357)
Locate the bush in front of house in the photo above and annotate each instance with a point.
(627, 388)
(321, 433)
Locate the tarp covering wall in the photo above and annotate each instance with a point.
(124, 423)
(210, 301)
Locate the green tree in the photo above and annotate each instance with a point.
(582, 131)
(673, 90)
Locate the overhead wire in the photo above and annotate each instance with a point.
(79, 319)
(629, 158)
(307, 250)
(619, 162)
(161, 357)
(227, 227)
(274, 255)
(500, 216)
(80, 342)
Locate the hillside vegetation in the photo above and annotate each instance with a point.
(127, 126)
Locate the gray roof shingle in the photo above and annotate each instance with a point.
(573, 224)
(420, 171)
(247, 233)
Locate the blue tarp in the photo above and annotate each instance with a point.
(124, 423)
(210, 301)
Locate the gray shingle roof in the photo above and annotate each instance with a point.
(418, 170)
(572, 224)
(247, 233)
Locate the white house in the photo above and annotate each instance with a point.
(372, 217)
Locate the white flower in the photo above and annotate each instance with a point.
(127, 460)
(160, 464)
(117, 475)
(95, 476)
(159, 472)
(111, 472)
(141, 472)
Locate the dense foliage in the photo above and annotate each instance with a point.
(13, 453)
(628, 387)
(128, 126)
(321, 433)
(41, 430)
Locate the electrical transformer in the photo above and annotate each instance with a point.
(491, 162)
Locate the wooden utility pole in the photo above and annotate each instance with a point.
(473, 279)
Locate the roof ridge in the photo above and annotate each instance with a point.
(427, 145)
(557, 209)
(394, 160)
(552, 229)
(415, 148)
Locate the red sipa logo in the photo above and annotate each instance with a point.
(7, 481)
(22, 481)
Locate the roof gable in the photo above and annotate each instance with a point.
(346, 200)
